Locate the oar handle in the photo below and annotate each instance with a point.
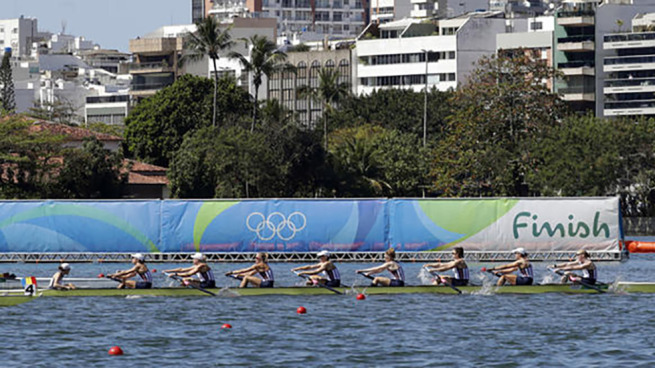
(367, 276)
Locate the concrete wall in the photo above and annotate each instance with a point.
(475, 39)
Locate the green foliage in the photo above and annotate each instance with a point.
(7, 93)
(226, 163)
(91, 172)
(497, 119)
(373, 161)
(61, 111)
(115, 130)
(400, 109)
(27, 160)
(156, 126)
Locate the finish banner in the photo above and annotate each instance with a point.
(561, 224)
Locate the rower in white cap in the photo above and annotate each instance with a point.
(524, 273)
(324, 272)
(56, 282)
(140, 269)
(204, 275)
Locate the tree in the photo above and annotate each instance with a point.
(62, 111)
(156, 126)
(393, 108)
(330, 92)
(7, 84)
(370, 160)
(265, 59)
(498, 117)
(28, 159)
(226, 163)
(91, 172)
(209, 40)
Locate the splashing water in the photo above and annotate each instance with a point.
(425, 277)
(488, 285)
(549, 279)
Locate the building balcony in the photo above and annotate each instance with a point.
(629, 85)
(576, 18)
(146, 68)
(422, 13)
(572, 94)
(577, 68)
(576, 44)
(629, 40)
(629, 108)
(627, 63)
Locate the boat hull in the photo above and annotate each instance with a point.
(623, 287)
(11, 300)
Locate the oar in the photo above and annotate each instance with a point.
(240, 278)
(445, 283)
(178, 278)
(367, 276)
(319, 284)
(484, 269)
(585, 284)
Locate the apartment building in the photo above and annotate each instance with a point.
(629, 85)
(579, 30)
(531, 34)
(446, 8)
(411, 53)
(284, 87)
(18, 34)
(383, 11)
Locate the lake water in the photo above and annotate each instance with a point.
(381, 331)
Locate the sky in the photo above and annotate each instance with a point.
(110, 23)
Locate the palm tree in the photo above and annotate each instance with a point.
(208, 41)
(265, 60)
(329, 92)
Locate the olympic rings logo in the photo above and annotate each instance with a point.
(276, 224)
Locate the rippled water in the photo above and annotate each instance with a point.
(395, 330)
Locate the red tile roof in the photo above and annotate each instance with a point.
(71, 132)
(136, 178)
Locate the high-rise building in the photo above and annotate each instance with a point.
(18, 34)
(630, 69)
(579, 31)
(200, 9)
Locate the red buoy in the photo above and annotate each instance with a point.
(301, 310)
(361, 296)
(154, 270)
(101, 275)
(116, 350)
(226, 325)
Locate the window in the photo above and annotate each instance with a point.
(302, 70)
(329, 64)
(535, 26)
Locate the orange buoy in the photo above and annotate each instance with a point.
(301, 310)
(640, 247)
(361, 296)
(226, 326)
(116, 350)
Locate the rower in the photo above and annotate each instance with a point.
(204, 275)
(524, 275)
(458, 265)
(324, 272)
(260, 274)
(390, 264)
(140, 269)
(56, 282)
(584, 264)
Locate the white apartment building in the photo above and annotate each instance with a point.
(18, 34)
(383, 11)
(393, 55)
(63, 43)
(446, 8)
(629, 85)
(535, 34)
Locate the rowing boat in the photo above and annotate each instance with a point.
(620, 287)
(11, 300)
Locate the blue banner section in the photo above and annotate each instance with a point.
(301, 225)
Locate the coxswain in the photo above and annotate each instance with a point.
(140, 269)
(259, 274)
(584, 264)
(324, 272)
(56, 282)
(458, 265)
(390, 264)
(204, 275)
(524, 273)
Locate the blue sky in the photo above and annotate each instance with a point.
(111, 23)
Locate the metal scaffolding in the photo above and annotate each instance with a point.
(360, 257)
